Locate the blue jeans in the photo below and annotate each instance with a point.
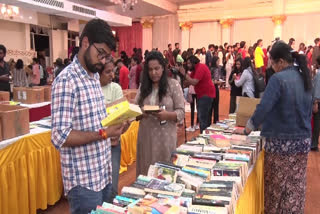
(83, 200)
(204, 111)
(115, 158)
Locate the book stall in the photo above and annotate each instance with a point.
(30, 169)
(216, 172)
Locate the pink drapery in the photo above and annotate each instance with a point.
(129, 37)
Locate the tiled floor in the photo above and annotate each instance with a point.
(126, 178)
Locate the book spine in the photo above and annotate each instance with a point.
(203, 175)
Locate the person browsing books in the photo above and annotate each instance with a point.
(285, 115)
(157, 135)
(112, 91)
(77, 109)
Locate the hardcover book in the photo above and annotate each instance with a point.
(120, 113)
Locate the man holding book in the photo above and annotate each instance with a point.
(77, 109)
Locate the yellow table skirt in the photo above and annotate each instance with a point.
(129, 146)
(30, 171)
(30, 175)
(251, 201)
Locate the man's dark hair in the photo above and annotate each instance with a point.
(316, 41)
(3, 48)
(99, 31)
(35, 60)
(169, 45)
(291, 41)
(66, 61)
(136, 60)
(242, 44)
(225, 44)
(59, 62)
(210, 46)
(177, 43)
(193, 59)
(119, 60)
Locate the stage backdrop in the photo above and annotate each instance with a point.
(129, 37)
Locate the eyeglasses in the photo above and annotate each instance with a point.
(102, 54)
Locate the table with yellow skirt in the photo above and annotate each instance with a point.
(30, 175)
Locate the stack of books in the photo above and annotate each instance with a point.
(207, 175)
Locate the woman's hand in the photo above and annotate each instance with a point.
(162, 115)
(234, 77)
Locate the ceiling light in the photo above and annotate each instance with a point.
(9, 11)
(125, 4)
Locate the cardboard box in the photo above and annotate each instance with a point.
(28, 95)
(246, 108)
(14, 121)
(47, 92)
(4, 96)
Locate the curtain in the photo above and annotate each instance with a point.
(129, 37)
(250, 30)
(301, 27)
(205, 33)
(165, 30)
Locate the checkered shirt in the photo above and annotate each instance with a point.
(78, 104)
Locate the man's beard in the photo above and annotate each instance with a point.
(1, 59)
(93, 68)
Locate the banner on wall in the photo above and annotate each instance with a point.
(26, 56)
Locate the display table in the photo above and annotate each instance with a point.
(30, 175)
(38, 111)
(251, 201)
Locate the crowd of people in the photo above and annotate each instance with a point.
(283, 77)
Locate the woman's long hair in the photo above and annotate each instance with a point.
(146, 84)
(281, 50)
(235, 66)
(246, 63)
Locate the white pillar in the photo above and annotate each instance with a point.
(278, 25)
(185, 35)
(146, 34)
(226, 30)
(27, 37)
(278, 18)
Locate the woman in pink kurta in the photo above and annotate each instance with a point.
(157, 137)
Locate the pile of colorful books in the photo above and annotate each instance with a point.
(207, 175)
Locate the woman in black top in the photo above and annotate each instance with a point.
(235, 91)
(216, 76)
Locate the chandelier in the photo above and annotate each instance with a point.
(125, 4)
(9, 11)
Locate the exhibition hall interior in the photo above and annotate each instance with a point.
(159, 106)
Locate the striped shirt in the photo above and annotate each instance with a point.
(78, 104)
(20, 78)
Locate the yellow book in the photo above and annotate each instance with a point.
(120, 113)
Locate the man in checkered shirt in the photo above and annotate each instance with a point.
(78, 107)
